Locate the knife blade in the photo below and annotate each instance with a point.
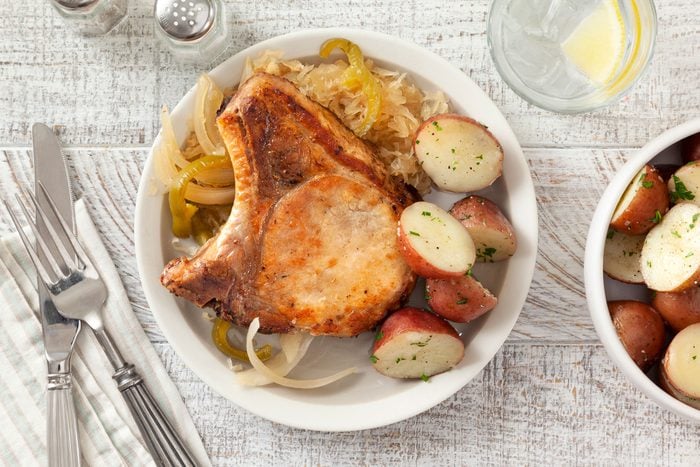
(58, 332)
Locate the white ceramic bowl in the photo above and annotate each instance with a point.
(600, 288)
(367, 399)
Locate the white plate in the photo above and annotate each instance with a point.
(365, 400)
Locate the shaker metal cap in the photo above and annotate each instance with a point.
(75, 4)
(185, 20)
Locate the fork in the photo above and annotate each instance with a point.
(78, 292)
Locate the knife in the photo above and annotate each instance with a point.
(59, 333)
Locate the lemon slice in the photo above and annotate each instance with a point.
(597, 45)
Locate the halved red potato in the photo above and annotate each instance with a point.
(460, 299)
(433, 243)
(671, 251)
(690, 148)
(642, 204)
(414, 343)
(458, 153)
(491, 231)
(679, 372)
(684, 185)
(641, 330)
(622, 257)
(679, 309)
(666, 170)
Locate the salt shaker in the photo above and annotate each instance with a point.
(193, 30)
(92, 17)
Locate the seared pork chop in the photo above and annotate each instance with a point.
(311, 242)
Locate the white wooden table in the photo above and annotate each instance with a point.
(551, 395)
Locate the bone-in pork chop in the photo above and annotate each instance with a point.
(311, 241)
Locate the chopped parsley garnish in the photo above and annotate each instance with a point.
(398, 359)
(647, 184)
(424, 377)
(657, 217)
(611, 233)
(468, 273)
(417, 141)
(422, 344)
(486, 253)
(414, 357)
(454, 150)
(427, 295)
(426, 213)
(417, 234)
(437, 126)
(480, 156)
(694, 357)
(378, 336)
(373, 359)
(689, 254)
(462, 301)
(675, 234)
(681, 191)
(649, 263)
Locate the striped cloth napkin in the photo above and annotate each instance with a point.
(108, 433)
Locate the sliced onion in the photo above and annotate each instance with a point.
(169, 141)
(291, 344)
(282, 363)
(282, 380)
(207, 102)
(215, 177)
(209, 194)
(165, 169)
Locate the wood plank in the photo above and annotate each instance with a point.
(532, 405)
(568, 185)
(108, 90)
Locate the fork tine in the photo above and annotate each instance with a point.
(42, 246)
(46, 279)
(60, 246)
(67, 230)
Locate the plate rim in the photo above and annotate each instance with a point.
(354, 422)
(594, 276)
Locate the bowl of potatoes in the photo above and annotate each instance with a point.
(642, 269)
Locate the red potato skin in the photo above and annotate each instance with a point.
(418, 264)
(690, 148)
(641, 330)
(446, 297)
(666, 170)
(411, 319)
(679, 309)
(475, 211)
(639, 216)
(666, 385)
(463, 118)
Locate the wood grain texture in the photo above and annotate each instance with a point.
(532, 405)
(106, 91)
(550, 396)
(555, 310)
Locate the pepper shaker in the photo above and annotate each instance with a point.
(193, 30)
(92, 17)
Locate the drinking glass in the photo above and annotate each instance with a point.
(571, 56)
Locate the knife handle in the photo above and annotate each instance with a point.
(162, 440)
(61, 423)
